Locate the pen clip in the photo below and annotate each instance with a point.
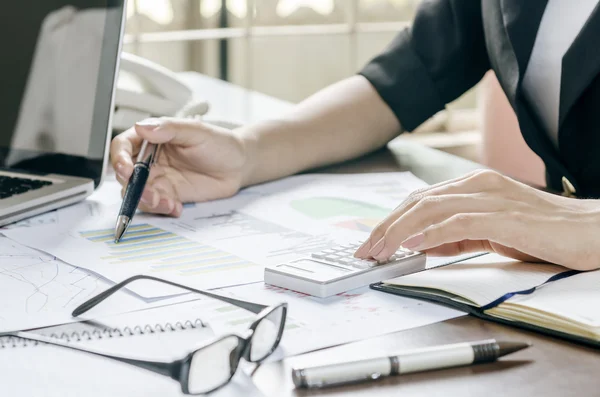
(148, 153)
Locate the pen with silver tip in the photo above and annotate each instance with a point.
(419, 360)
(135, 187)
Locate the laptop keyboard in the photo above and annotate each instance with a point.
(9, 186)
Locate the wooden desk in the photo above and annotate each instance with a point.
(550, 368)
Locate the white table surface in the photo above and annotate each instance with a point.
(232, 103)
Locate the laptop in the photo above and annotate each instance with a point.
(57, 85)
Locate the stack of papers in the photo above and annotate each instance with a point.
(224, 245)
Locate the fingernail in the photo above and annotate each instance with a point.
(377, 248)
(170, 205)
(414, 241)
(362, 251)
(148, 198)
(149, 123)
(178, 209)
(120, 170)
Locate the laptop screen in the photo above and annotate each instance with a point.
(56, 80)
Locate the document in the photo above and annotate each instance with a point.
(316, 323)
(38, 290)
(312, 323)
(345, 206)
(146, 249)
(105, 203)
(222, 243)
(83, 235)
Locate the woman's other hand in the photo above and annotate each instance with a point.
(486, 211)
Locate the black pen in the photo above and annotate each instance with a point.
(426, 359)
(135, 187)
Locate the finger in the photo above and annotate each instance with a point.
(157, 202)
(169, 203)
(460, 227)
(459, 185)
(161, 206)
(170, 207)
(156, 171)
(120, 179)
(433, 210)
(181, 132)
(122, 149)
(149, 199)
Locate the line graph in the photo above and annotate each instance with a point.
(38, 290)
(164, 251)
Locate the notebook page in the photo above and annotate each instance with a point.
(160, 332)
(483, 279)
(574, 298)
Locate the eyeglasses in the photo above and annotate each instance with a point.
(211, 366)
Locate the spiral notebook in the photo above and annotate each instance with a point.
(86, 333)
(157, 332)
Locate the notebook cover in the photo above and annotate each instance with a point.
(480, 314)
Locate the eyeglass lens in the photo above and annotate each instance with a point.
(213, 365)
(266, 335)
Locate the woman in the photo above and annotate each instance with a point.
(550, 75)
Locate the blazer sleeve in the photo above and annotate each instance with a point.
(426, 66)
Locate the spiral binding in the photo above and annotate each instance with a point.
(14, 341)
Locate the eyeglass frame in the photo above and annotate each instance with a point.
(178, 370)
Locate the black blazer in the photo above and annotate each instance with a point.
(453, 43)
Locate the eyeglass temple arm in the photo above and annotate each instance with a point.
(172, 370)
(94, 301)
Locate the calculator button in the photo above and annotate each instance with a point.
(327, 251)
(360, 264)
(319, 255)
(345, 261)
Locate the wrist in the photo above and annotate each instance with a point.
(249, 142)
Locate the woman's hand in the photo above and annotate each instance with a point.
(198, 162)
(486, 211)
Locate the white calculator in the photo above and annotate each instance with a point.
(336, 270)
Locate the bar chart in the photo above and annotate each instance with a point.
(164, 251)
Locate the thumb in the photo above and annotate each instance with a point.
(180, 132)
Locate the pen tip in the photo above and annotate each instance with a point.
(121, 227)
(511, 347)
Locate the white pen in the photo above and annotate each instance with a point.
(419, 360)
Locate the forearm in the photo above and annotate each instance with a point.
(343, 121)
